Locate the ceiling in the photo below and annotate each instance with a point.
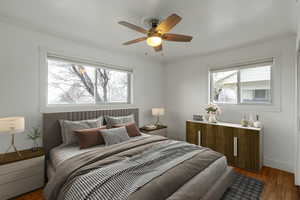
(215, 24)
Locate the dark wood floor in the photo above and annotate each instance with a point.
(279, 185)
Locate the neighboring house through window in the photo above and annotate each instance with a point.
(249, 83)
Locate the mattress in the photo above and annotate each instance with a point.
(50, 170)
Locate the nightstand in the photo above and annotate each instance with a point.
(21, 175)
(159, 130)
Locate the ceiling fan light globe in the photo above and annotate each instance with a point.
(154, 41)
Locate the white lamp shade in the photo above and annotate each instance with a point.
(158, 111)
(12, 125)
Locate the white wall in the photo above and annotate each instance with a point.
(19, 76)
(297, 171)
(187, 94)
(298, 24)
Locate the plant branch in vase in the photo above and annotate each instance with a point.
(33, 135)
(213, 110)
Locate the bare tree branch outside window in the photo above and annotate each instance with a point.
(79, 84)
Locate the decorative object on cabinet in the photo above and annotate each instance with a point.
(33, 135)
(251, 121)
(257, 123)
(159, 130)
(242, 146)
(21, 175)
(198, 117)
(157, 112)
(244, 121)
(12, 126)
(212, 110)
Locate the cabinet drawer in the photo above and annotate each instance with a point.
(22, 174)
(19, 187)
(162, 132)
(21, 165)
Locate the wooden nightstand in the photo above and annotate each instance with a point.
(21, 175)
(160, 130)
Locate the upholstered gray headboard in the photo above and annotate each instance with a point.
(52, 131)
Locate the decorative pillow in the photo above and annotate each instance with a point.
(132, 129)
(90, 137)
(116, 121)
(114, 135)
(68, 127)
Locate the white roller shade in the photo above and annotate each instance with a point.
(72, 60)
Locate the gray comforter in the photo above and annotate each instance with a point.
(121, 171)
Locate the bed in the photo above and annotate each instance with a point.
(144, 167)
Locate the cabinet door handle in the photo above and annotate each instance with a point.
(235, 146)
(199, 138)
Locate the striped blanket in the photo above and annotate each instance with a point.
(119, 180)
(134, 170)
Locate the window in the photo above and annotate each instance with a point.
(72, 83)
(225, 86)
(244, 84)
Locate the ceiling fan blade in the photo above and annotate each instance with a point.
(177, 37)
(158, 48)
(135, 41)
(133, 27)
(167, 24)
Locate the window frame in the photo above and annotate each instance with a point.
(46, 107)
(238, 67)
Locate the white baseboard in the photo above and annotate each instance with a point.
(285, 166)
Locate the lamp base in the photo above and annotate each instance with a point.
(12, 145)
(158, 123)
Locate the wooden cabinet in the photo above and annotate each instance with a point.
(21, 175)
(242, 146)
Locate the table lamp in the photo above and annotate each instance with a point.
(12, 126)
(158, 112)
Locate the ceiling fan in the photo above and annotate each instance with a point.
(158, 32)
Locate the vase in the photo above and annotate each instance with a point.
(35, 146)
(212, 118)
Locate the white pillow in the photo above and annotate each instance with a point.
(114, 135)
(68, 128)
